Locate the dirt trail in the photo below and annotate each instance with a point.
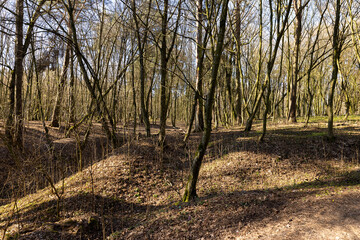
(330, 218)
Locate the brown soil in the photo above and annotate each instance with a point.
(295, 185)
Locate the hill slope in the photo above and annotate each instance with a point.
(296, 185)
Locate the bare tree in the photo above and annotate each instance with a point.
(190, 190)
(197, 108)
(13, 128)
(141, 42)
(280, 29)
(165, 49)
(60, 92)
(295, 77)
(336, 44)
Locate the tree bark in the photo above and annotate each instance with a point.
(19, 56)
(239, 78)
(134, 97)
(163, 73)
(72, 89)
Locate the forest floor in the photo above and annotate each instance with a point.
(295, 185)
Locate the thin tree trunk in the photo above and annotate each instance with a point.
(163, 73)
(190, 190)
(13, 128)
(141, 46)
(165, 53)
(272, 56)
(173, 118)
(9, 129)
(99, 100)
(252, 115)
(335, 69)
(228, 77)
(239, 77)
(134, 97)
(56, 112)
(197, 108)
(298, 27)
(311, 95)
(72, 90)
(19, 70)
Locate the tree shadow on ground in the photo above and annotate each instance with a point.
(294, 144)
(213, 215)
(201, 219)
(59, 160)
(87, 216)
(209, 217)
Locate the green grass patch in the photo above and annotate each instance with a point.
(324, 119)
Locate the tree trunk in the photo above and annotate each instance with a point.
(190, 190)
(14, 129)
(98, 96)
(165, 53)
(228, 77)
(141, 46)
(196, 108)
(239, 78)
(311, 95)
(134, 97)
(298, 27)
(335, 69)
(272, 57)
(173, 118)
(163, 74)
(19, 57)
(9, 129)
(59, 97)
(72, 90)
(258, 97)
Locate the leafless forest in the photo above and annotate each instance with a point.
(251, 105)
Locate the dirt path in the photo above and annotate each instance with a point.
(330, 217)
